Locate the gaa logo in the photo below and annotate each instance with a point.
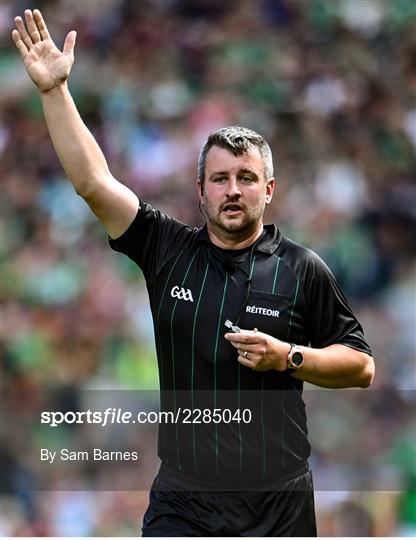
(181, 294)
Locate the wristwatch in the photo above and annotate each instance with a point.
(294, 357)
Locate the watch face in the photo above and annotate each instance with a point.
(297, 359)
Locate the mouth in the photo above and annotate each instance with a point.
(232, 209)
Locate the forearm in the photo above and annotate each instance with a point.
(112, 202)
(336, 366)
(77, 150)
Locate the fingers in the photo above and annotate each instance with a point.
(246, 337)
(43, 29)
(249, 347)
(253, 363)
(21, 47)
(24, 36)
(70, 42)
(36, 29)
(31, 25)
(247, 353)
(245, 362)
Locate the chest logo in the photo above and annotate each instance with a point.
(263, 311)
(181, 294)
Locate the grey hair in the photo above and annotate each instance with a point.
(238, 140)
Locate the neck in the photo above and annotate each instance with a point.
(234, 240)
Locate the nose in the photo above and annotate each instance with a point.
(233, 188)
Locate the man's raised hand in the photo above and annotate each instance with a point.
(47, 66)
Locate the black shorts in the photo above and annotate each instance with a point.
(288, 511)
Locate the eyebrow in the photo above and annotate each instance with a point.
(248, 171)
(225, 173)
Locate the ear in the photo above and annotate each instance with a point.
(200, 188)
(270, 186)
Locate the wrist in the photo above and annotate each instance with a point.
(56, 90)
(295, 357)
(280, 355)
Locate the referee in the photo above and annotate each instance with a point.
(242, 316)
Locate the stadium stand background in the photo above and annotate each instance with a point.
(331, 84)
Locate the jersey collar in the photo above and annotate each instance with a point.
(267, 243)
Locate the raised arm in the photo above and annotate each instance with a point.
(113, 203)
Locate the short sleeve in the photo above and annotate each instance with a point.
(152, 239)
(330, 318)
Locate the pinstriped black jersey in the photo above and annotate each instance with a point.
(276, 286)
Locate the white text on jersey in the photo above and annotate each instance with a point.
(263, 311)
(181, 294)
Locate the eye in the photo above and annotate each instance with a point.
(220, 179)
(247, 179)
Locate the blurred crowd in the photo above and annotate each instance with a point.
(331, 84)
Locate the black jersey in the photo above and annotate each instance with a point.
(276, 286)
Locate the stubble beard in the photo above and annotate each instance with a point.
(235, 228)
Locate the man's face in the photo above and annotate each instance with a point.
(235, 192)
